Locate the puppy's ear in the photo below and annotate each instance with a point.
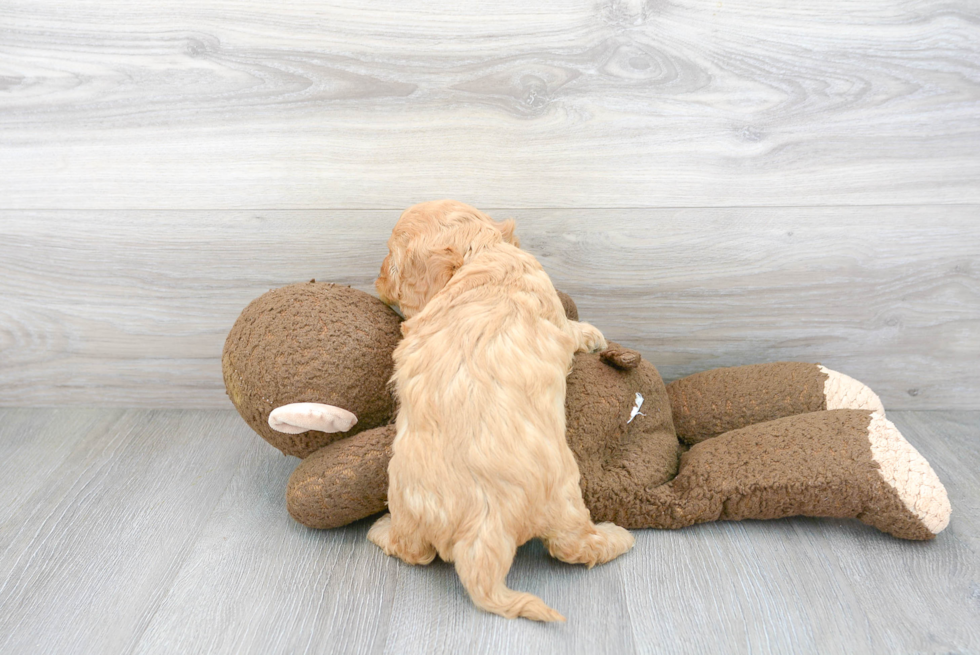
(426, 276)
(442, 265)
(383, 283)
(507, 230)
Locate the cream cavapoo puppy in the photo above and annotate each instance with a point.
(480, 462)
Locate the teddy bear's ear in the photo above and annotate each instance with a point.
(621, 358)
(295, 418)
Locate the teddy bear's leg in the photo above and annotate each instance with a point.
(836, 463)
(342, 482)
(713, 402)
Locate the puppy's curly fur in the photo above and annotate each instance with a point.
(481, 464)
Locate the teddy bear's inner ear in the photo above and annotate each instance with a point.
(300, 417)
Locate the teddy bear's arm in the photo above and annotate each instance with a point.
(342, 482)
(840, 463)
(713, 402)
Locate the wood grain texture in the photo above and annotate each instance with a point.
(617, 103)
(87, 558)
(432, 609)
(276, 586)
(166, 531)
(132, 308)
(34, 445)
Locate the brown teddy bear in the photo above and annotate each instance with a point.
(750, 442)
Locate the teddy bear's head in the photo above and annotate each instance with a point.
(317, 343)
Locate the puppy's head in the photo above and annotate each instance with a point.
(430, 242)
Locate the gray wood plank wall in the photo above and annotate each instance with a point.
(715, 184)
(559, 103)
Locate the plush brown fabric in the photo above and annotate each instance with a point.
(815, 464)
(342, 482)
(332, 344)
(571, 309)
(620, 357)
(618, 458)
(312, 342)
(888, 513)
(713, 402)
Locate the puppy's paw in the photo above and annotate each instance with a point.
(380, 534)
(607, 542)
(411, 550)
(590, 339)
(610, 542)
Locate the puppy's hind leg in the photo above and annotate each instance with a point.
(407, 546)
(588, 338)
(482, 562)
(575, 539)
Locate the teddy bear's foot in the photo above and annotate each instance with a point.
(910, 501)
(844, 392)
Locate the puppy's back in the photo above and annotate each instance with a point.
(480, 460)
(481, 378)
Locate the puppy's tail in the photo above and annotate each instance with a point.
(482, 566)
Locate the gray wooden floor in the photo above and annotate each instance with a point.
(165, 531)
